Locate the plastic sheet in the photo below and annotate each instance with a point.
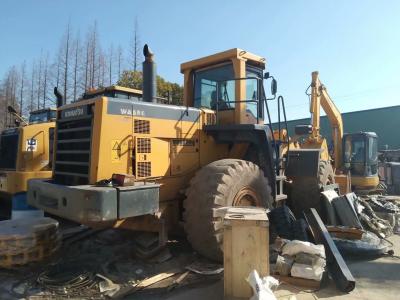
(262, 288)
(294, 247)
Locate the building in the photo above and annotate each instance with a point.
(384, 121)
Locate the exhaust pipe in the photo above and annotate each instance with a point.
(149, 76)
(60, 100)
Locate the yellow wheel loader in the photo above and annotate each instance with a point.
(186, 161)
(25, 153)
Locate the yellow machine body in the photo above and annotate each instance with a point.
(156, 143)
(26, 154)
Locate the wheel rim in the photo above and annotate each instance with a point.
(246, 197)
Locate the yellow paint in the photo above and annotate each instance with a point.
(360, 182)
(30, 164)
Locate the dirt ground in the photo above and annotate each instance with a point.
(111, 254)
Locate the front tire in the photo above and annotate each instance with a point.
(226, 182)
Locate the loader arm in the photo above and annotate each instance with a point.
(321, 98)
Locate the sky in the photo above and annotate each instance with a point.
(354, 44)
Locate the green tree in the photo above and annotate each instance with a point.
(134, 79)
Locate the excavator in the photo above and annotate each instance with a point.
(355, 155)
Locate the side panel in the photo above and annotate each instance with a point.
(34, 147)
(112, 143)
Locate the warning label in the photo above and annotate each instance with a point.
(119, 148)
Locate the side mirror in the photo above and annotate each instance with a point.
(274, 86)
(11, 110)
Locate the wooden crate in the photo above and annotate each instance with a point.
(246, 248)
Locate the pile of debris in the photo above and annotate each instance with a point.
(298, 259)
(355, 222)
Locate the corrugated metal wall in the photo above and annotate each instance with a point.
(384, 121)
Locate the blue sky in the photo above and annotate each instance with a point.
(354, 44)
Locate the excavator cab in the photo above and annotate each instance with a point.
(360, 157)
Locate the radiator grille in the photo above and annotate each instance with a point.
(143, 145)
(144, 169)
(9, 150)
(72, 152)
(141, 126)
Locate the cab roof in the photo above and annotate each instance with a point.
(223, 56)
(114, 88)
(38, 111)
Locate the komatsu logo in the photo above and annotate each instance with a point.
(73, 112)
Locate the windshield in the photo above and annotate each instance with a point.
(43, 116)
(355, 149)
(209, 82)
(373, 149)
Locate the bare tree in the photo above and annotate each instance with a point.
(87, 65)
(39, 80)
(45, 79)
(32, 87)
(76, 60)
(110, 64)
(21, 88)
(65, 48)
(10, 86)
(135, 47)
(93, 54)
(119, 55)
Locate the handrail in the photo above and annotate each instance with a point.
(282, 101)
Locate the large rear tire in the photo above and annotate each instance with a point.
(226, 182)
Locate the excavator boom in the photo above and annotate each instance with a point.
(321, 98)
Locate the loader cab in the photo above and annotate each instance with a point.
(228, 83)
(42, 116)
(361, 154)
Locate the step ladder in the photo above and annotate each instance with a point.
(280, 196)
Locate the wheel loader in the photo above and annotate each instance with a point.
(132, 163)
(25, 153)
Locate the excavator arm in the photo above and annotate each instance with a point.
(321, 98)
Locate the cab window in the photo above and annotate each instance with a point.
(252, 89)
(373, 149)
(215, 84)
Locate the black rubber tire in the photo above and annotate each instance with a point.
(305, 192)
(282, 220)
(214, 186)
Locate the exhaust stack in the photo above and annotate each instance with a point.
(149, 76)
(60, 100)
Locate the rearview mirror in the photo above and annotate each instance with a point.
(11, 110)
(274, 86)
